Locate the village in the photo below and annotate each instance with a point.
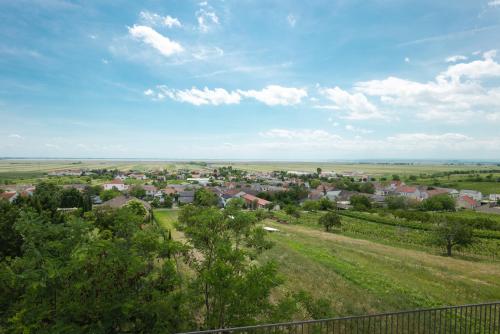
(162, 188)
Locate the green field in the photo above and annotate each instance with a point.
(366, 273)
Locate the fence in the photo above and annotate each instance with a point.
(466, 319)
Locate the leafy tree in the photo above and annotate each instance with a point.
(78, 278)
(360, 202)
(137, 191)
(106, 195)
(204, 197)
(71, 198)
(47, 196)
(396, 177)
(137, 208)
(10, 239)
(310, 205)
(396, 202)
(451, 232)
(234, 291)
(314, 183)
(367, 188)
(325, 204)
(438, 203)
(318, 170)
(329, 220)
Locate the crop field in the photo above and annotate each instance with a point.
(364, 273)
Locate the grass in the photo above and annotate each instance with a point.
(367, 275)
(362, 276)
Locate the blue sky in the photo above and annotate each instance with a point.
(274, 80)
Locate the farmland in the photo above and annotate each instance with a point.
(370, 267)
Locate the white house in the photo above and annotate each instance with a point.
(117, 184)
(494, 197)
(9, 196)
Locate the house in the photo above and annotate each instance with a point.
(117, 184)
(255, 202)
(150, 190)
(333, 195)
(137, 176)
(475, 195)
(186, 197)
(9, 196)
(169, 191)
(123, 200)
(411, 192)
(467, 202)
(494, 197)
(200, 180)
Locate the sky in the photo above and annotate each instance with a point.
(258, 80)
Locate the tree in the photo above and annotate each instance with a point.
(318, 170)
(329, 220)
(310, 205)
(438, 203)
(137, 191)
(360, 202)
(204, 197)
(71, 198)
(234, 290)
(314, 183)
(451, 232)
(10, 239)
(396, 202)
(106, 195)
(325, 204)
(137, 208)
(367, 188)
(396, 177)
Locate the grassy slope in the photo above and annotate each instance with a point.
(361, 276)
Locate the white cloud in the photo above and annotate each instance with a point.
(356, 105)
(56, 147)
(456, 94)
(207, 18)
(494, 3)
(156, 40)
(203, 53)
(154, 19)
(105, 61)
(454, 59)
(292, 20)
(199, 97)
(352, 128)
(302, 135)
(271, 95)
(171, 21)
(15, 136)
(407, 60)
(276, 95)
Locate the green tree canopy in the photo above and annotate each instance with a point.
(329, 220)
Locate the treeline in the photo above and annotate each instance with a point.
(117, 271)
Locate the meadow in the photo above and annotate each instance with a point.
(369, 267)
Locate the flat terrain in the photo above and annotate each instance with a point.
(364, 276)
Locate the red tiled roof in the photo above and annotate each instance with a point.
(406, 189)
(469, 200)
(252, 198)
(435, 192)
(116, 181)
(8, 195)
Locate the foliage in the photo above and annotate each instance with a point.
(292, 210)
(137, 208)
(396, 202)
(204, 197)
(438, 203)
(325, 204)
(137, 191)
(360, 202)
(106, 195)
(450, 232)
(329, 220)
(233, 291)
(10, 239)
(310, 205)
(367, 188)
